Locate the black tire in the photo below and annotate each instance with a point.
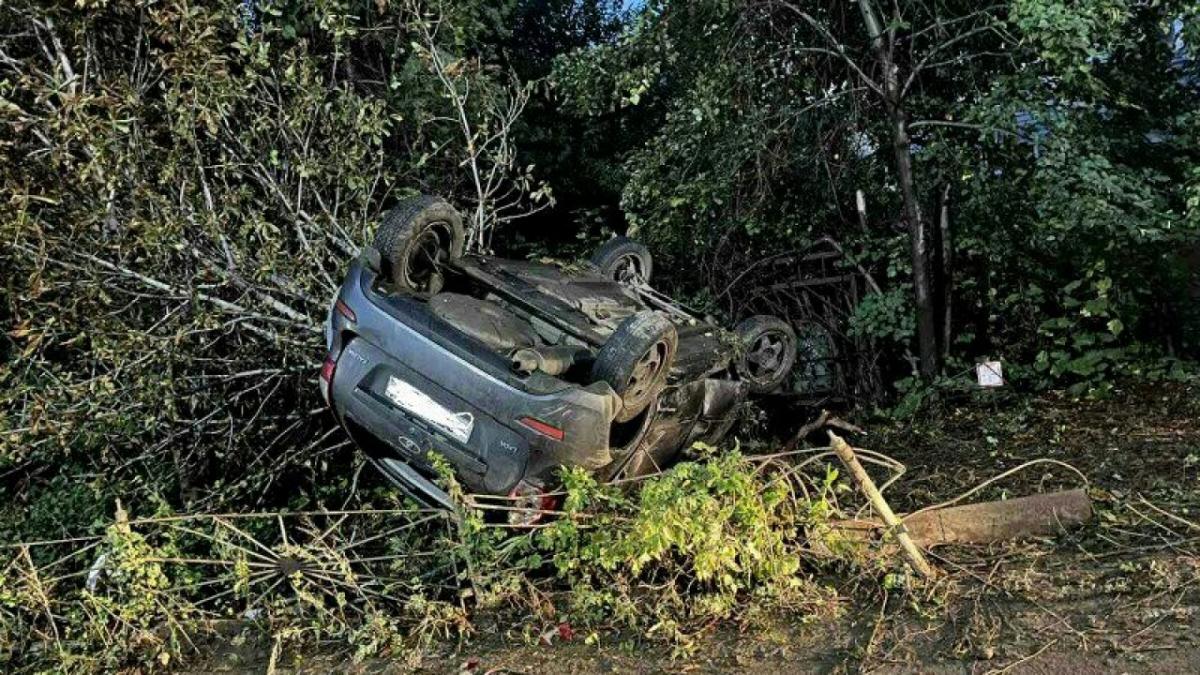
(416, 240)
(636, 360)
(769, 352)
(623, 259)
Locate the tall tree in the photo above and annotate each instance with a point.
(900, 48)
(1064, 130)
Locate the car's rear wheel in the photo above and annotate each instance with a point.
(417, 240)
(769, 352)
(624, 260)
(636, 360)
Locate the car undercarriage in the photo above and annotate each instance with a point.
(513, 370)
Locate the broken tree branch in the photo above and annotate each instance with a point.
(915, 558)
(823, 420)
(1040, 515)
(1001, 476)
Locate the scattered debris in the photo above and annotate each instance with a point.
(562, 631)
(94, 572)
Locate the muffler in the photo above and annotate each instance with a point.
(552, 360)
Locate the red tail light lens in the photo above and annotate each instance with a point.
(327, 370)
(542, 428)
(530, 505)
(344, 309)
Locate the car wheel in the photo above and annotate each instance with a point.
(416, 240)
(636, 359)
(769, 352)
(624, 260)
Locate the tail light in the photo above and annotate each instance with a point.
(531, 505)
(344, 309)
(327, 370)
(542, 428)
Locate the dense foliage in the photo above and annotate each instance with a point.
(1063, 133)
(717, 540)
(184, 184)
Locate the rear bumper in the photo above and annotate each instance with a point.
(399, 338)
(413, 482)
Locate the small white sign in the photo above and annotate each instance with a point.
(989, 374)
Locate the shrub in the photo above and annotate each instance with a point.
(712, 539)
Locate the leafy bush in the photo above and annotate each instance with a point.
(718, 538)
(712, 539)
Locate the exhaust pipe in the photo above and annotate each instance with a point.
(553, 360)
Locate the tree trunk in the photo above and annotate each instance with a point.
(927, 333)
(983, 282)
(918, 227)
(947, 271)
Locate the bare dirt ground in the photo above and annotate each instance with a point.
(1119, 595)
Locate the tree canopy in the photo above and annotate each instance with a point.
(1063, 133)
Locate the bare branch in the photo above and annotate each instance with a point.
(920, 66)
(959, 125)
(836, 47)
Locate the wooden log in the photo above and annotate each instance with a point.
(861, 478)
(986, 522)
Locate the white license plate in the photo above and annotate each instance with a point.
(417, 402)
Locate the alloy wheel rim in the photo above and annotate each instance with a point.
(766, 355)
(628, 269)
(646, 371)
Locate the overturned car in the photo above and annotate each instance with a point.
(511, 370)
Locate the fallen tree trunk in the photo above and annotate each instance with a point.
(988, 522)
